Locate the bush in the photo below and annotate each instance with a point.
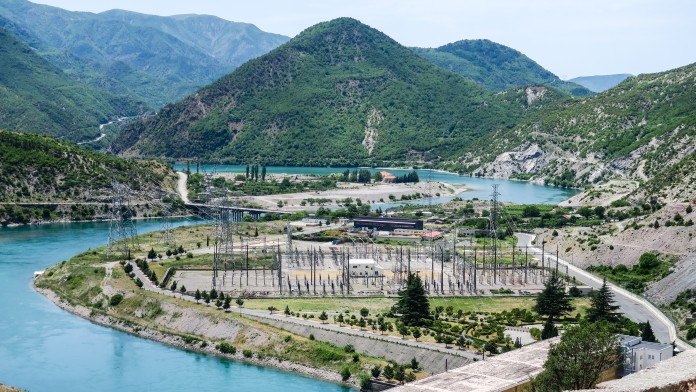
(345, 373)
(116, 299)
(349, 348)
(365, 382)
(648, 261)
(311, 336)
(247, 353)
(226, 348)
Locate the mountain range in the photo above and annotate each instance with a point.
(36, 96)
(339, 93)
(153, 59)
(495, 66)
(599, 83)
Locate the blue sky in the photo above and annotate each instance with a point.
(569, 38)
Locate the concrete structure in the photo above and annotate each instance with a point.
(364, 267)
(676, 374)
(505, 372)
(386, 224)
(639, 355)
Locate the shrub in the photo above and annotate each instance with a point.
(287, 339)
(226, 348)
(311, 336)
(365, 382)
(349, 348)
(345, 373)
(116, 299)
(247, 353)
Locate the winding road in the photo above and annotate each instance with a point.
(633, 306)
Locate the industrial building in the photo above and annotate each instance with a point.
(386, 224)
(639, 355)
(364, 267)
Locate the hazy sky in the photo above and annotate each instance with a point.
(568, 37)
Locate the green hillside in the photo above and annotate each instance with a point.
(35, 96)
(634, 130)
(339, 93)
(151, 58)
(495, 66)
(36, 168)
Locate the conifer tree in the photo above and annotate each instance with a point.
(602, 305)
(553, 301)
(646, 332)
(413, 302)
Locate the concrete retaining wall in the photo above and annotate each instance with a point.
(430, 361)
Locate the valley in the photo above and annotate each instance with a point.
(333, 209)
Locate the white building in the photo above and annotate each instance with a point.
(364, 268)
(639, 355)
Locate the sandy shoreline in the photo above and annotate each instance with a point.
(368, 194)
(178, 342)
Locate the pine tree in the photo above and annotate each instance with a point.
(646, 332)
(197, 296)
(602, 305)
(413, 302)
(553, 301)
(550, 330)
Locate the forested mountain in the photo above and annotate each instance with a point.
(599, 83)
(36, 168)
(338, 93)
(154, 59)
(36, 96)
(495, 66)
(635, 130)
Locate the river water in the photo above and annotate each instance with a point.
(43, 348)
(522, 192)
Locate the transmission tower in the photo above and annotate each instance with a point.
(122, 232)
(223, 254)
(494, 229)
(166, 226)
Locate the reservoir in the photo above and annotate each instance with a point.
(522, 192)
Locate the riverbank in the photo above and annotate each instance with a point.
(184, 342)
(369, 194)
(99, 290)
(49, 222)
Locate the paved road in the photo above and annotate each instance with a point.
(148, 285)
(633, 306)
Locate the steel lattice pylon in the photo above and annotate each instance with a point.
(223, 256)
(166, 236)
(122, 232)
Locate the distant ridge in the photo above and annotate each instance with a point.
(495, 66)
(37, 97)
(155, 59)
(599, 83)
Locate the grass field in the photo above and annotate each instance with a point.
(381, 304)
